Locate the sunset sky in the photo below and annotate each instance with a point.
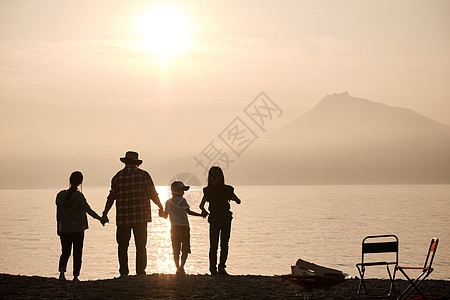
(97, 78)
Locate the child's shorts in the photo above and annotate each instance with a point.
(180, 237)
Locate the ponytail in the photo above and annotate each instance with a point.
(76, 178)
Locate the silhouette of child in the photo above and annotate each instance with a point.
(219, 195)
(71, 209)
(177, 209)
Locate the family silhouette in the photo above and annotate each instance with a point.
(132, 188)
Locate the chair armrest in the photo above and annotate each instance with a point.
(412, 268)
(378, 263)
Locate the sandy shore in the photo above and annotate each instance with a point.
(192, 286)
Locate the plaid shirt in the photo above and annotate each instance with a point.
(132, 188)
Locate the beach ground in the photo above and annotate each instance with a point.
(194, 287)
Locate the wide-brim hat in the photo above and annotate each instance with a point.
(131, 157)
(178, 186)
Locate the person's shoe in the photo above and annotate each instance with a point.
(222, 271)
(75, 279)
(62, 277)
(213, 272)
(181, 271)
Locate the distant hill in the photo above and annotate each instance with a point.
(340, 117)
(348, 140)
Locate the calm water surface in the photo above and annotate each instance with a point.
(272, 228)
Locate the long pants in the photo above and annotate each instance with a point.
(222, 229)
(123, 236)
(69, 239)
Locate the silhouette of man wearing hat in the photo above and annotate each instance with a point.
(132, 188)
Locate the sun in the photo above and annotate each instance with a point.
(164, 30)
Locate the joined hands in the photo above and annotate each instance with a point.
(161, 213)
(104, 219)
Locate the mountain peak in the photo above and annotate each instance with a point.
(343, 94)
(345, 97)
(346, 106)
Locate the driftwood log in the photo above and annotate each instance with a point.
(309, 275)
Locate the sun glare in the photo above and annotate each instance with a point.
(164, 31)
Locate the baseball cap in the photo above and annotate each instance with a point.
(178, 186)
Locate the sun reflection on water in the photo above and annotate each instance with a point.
(160, 236)
(159, 239)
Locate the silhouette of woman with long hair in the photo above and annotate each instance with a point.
(71, 209)
(218, 195)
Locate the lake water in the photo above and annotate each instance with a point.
(271, 229)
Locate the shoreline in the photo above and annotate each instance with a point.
(196, 287)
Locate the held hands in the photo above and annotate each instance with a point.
(104, 219)
(204, 213)
(161, 213)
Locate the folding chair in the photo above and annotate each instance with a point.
(426, 271)
(374, 248)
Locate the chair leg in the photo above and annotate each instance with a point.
(413, 285)
(391, 278)
(361, 281)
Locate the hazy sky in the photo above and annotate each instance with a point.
(107, 76)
